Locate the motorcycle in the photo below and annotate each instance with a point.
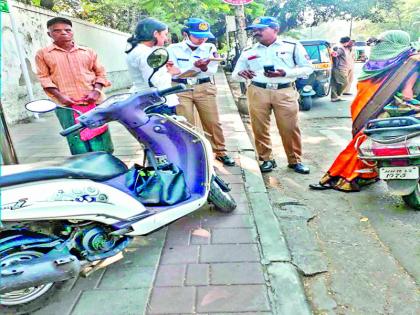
(63, 220)
(393, 146)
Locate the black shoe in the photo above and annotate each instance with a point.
(345, 93)
(267, 166)
(226, 160)
(299, 168)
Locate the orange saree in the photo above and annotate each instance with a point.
(348, 172)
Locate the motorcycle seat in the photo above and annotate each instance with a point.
(96, 166)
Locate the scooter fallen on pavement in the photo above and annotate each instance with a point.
(393, 145)
(68, 218)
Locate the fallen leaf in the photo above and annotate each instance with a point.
(364, 219)
(201, 233)
(214, 295)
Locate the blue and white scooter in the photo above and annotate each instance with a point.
(61, 220)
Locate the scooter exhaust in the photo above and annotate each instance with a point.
(48, 268)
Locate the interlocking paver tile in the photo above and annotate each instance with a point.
(197, 274)
(180, 255)
(170, 276)
(228, 221)
(233, 236)
(236, 273)
(172, 300)
(112, 302)
(234, 298)
(229, 253)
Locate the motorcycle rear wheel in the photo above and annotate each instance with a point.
(27, 300)
(221, 199)
(413, 199)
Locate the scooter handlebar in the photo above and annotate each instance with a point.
(71, 129)
(172, 90)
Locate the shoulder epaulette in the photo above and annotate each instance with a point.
(287, 42)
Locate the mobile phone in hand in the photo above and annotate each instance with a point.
(268, 68)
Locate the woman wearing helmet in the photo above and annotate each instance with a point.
(149, 35)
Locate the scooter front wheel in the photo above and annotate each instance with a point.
(413, 199)
(220, 198)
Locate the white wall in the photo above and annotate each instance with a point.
(31, 22)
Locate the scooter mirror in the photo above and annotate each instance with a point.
(158, 58)
(41, 106)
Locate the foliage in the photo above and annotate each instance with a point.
(402, 14)
(124, 14)
(294, 13)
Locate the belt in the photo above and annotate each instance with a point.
(272, 86)
(192, 81)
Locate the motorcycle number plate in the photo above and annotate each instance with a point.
(408, 172)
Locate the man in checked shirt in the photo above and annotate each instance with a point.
(72, 76)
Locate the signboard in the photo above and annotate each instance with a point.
(238, 2)
(230, 23)
(3, 6)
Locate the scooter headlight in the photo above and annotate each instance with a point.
(366, 148)
(307, 88)
(413, 145)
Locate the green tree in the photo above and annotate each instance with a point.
(402, 14)
(294, 13)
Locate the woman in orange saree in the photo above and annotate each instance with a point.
(392, 49)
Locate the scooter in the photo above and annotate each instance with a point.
(393, 146)
(63, 220)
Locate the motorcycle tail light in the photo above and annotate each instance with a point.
(404, 148)
(390, 150)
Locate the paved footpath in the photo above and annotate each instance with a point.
(205, 263)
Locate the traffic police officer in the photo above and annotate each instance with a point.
(194, 54)
(273, 65)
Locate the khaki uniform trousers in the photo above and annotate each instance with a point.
(284, 104)
(203, 98)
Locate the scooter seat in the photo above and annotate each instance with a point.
(97, 166)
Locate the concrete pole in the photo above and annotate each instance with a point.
(241, 24)
(23, 66)
(242, 41)
(8, 154)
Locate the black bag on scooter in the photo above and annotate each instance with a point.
(158, 186)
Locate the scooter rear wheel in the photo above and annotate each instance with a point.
(413, 199)
(27, 300)
(221, 199)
